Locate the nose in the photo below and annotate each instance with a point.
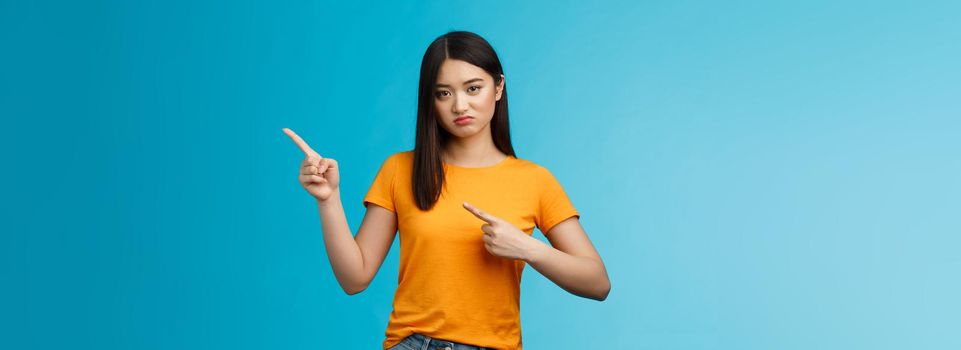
(460, 105)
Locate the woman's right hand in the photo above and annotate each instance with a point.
(317, 174)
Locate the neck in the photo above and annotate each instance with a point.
(475, 150)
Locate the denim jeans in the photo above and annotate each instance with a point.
(418, 341)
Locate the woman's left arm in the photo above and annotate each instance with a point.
(572, 263)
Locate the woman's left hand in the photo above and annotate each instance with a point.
(503, 239)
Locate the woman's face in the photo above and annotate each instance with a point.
(463, 89)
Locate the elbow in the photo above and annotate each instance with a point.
(603, 292)
(599, 293)
(354, 289)
(598, 289)
(603, 288)
(604, 295)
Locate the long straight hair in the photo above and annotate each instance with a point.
(428, 170)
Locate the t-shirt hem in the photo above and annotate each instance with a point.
(547, 228)
(379, 202)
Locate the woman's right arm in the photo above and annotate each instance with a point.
(355, 261)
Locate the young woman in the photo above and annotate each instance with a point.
(465, 207)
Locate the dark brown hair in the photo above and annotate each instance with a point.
(428, 170)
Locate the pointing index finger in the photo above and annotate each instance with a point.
(300, 143)
(480, 214)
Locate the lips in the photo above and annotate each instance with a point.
(463, 120)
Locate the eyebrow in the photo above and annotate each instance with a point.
(465, 83)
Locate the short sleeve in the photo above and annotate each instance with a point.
(381, 191)
(554, 205)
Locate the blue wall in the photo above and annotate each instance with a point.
(755, 175)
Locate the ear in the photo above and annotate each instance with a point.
(500, 89)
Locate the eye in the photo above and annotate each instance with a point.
(474, 86)
(440, 93)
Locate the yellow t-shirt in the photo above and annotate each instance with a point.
(450, 287)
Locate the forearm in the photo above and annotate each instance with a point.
(342, 250)
(582, 276)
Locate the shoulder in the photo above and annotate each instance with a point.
(399, 162)
(399, 158)
(532, 168)
(405, 159)
(529, 165)
(408, 154)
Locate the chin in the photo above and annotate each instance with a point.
(461, 133)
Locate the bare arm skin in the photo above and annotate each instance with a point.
(572, 263)
(355, 260)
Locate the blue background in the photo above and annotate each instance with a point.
(756, 175)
